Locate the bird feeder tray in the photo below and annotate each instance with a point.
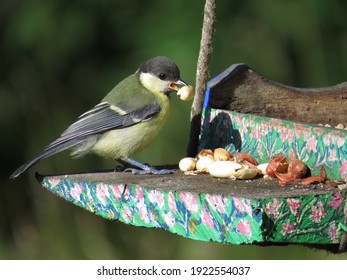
(282, 122)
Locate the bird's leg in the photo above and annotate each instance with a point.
(144, 168)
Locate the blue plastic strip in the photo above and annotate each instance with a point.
(207, 98)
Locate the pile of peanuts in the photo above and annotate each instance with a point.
(222, 164)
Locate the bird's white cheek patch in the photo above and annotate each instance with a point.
(152, 83)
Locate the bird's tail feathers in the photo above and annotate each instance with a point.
(49, 151)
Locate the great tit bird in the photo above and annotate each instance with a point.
(125, 121)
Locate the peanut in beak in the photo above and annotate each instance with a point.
(174, 87)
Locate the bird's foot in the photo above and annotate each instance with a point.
(148, 170)
(142, 168)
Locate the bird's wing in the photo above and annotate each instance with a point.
(101, 118)
(104, 117)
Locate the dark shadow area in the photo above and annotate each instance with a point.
(219, 132)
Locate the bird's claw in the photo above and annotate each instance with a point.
(149, 170)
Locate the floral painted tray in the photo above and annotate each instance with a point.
(206, 209)
(238, 212)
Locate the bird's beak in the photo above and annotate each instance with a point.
(175, 85)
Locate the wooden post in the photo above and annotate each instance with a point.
(201, 75)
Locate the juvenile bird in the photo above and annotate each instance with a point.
(125, 121)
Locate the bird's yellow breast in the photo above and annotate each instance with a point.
(126, 141)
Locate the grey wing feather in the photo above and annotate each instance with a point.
(102, 118)
(97, 120)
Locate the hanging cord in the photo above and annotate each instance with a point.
(202, 75)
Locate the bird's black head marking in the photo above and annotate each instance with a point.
(162, 67)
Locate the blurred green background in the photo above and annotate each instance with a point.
(59, 58)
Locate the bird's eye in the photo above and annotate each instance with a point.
(162, 76)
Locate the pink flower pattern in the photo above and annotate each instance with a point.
(76, 191)
(287, 134)
(343, 168)
(288, 227)
(333, 233)
(332, 156)
(156, 197)
(166, 211)
(340, 141)
(294, 205)
(127, 214)
(243, 205)
(290, 135)
(169, 219)
(312, 144)
(336, 201)
(54, 182)
(245, 228)
(190, 201)
(257, 133)
(318, 212)
(273, 207)
(216, 202)
(139, 193)
(102, 193)
(172, 203)
(143, 213)
(206, 218)
(298, 129)
(117, 191)
(239, 120)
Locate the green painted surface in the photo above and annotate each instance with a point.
(309, 219)
(197, 216)
(205, 217)
(265, 137)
